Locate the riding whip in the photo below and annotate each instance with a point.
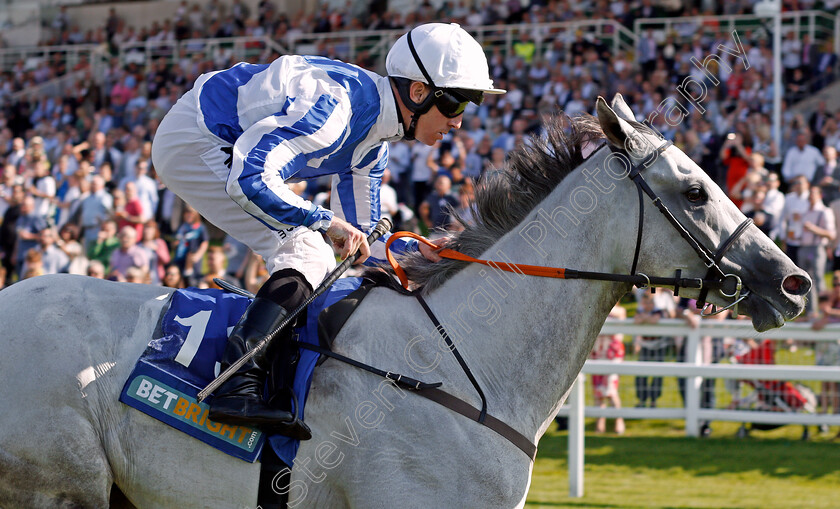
(382, 227)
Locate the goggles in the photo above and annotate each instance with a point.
(452, 102)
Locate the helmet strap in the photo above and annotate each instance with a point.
(409, 133)
(417, 109)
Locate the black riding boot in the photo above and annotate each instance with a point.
(239, 400)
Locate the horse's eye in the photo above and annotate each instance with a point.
(695, 195)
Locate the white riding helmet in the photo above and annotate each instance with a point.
(450, 55)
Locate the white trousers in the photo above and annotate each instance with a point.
(193, 166)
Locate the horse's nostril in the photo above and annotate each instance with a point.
(796, 285)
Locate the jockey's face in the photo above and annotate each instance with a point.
(432, 125)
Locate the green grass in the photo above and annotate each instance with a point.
(655, 466)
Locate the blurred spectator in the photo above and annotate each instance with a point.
(94, 210)
(827, 177)
(129, 254)
(388, 197)
(136, 274)
(43, 189)
(7, 183)
(28, 229)
(8, 232)
(191, 243)
(711, 351)
(436, 210)
(217, 268)
(755, 175)
(649, 348)
(828, 352)
(802, 159)
(173, 278)
(105, 244)
(754, 208)
(605, 387)
(96, 269)
(32, 265)
(796, 204)
(53, 259)
(156, 250)
(255, 273)
(146, 187)
(68, 241)
(421, 171)
(735, 156)
(818, 232)
(774, 204)
(128, 211)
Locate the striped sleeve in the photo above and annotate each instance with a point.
(355, 194)
(276, 148)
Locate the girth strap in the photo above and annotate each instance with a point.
(460, 406)
(403, 381)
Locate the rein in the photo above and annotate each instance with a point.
(715, 278)
(729, 285)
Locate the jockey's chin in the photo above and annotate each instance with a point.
(433, 125)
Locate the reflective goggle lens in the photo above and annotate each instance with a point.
(449, 105)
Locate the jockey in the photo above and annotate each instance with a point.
(230, 146)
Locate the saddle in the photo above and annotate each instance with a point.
(332, 319)
(182, 357)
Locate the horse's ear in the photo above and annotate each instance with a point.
(619, 105)
(616, 129)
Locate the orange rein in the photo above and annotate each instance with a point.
(531, 270)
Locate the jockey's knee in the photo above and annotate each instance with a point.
(286, 287)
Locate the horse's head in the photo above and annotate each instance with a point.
(776, 286)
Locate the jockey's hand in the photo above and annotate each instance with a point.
(347, 239)
(431, 253)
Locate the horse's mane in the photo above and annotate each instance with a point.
(504, 198)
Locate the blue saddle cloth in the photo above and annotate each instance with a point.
(183, 358)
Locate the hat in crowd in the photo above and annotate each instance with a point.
(36, 139)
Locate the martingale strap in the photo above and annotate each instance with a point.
(462, 407)
(457, 355)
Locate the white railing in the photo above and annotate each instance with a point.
(817, 24)
(240, 48)
(350, 44)
(694, 372)
(31, 55)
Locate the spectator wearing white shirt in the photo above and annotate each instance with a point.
(147, 188)
(388, 196)
(17, 154)
(796, 204)
(802, 159)
(818, 232)
(43, 189)
(774, 204)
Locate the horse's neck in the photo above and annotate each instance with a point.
(526, 337)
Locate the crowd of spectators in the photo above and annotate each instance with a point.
(79, 193)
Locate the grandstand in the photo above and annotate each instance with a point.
(70, 69)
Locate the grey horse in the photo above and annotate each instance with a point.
(68, 344)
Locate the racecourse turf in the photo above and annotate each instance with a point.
(654, 465)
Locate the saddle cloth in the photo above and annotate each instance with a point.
(183, 357)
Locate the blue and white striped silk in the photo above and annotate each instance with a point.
(302, 117)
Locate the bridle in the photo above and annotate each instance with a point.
(729, 285)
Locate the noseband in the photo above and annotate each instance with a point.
(729, 285)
